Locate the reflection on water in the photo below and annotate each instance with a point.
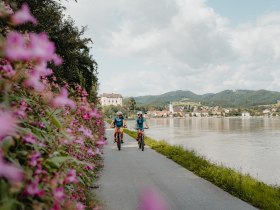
(250, 145)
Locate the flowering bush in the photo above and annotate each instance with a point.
(50, 136)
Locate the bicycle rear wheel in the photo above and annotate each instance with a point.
(119, 141)
(142, 143)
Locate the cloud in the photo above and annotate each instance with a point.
(179, 44)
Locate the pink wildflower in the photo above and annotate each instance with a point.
(97, 152)
(101, 141)
(8, 70)
(40, 47)
(57, 59)
(29, 138)
(7, 124)
(35, 159)
(94, 113)
(84, 93)
(58, 194)
(79, 141)
(63, 100)
(23, 16)
(151, 200)
(40, 171)
(21, 111)
(89, 166)
(71, 177)
(15, 48)
(42, 68)
(86, 116)
(86, 132)
(34, 81)
(33, 46)
(90, 152)
(56, 206)
(80, 206)
(68, 130)
(39, 124)
(10, 171)
(33, 188)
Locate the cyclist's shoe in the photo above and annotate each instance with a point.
(122, 141)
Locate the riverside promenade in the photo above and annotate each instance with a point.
(128, 172)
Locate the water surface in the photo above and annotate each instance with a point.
(249, 145)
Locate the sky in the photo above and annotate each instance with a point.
(146, 47)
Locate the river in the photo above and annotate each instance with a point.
(249, 145)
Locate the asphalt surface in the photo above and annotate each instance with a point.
(128, 172)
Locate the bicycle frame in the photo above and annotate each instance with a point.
(141, 139)
(118, 138)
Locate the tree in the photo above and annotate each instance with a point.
(131, 103)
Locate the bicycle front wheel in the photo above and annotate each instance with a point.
(119, 141)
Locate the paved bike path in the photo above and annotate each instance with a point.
(127, 172)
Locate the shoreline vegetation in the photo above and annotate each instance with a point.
(245, 187)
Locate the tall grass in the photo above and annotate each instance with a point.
(245, 187)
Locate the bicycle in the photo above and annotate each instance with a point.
(141, 139)
(119, 141)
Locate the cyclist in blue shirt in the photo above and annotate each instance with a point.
(118, 123)
(139, 123)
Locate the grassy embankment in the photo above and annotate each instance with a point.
(257, 193)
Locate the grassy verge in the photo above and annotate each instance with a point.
(257, 193)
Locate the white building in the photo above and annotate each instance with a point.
(245, 114)
(111, 99)
(171, 110)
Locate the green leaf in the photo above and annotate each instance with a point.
(6, 144)
(59, 160)
(8, 204)
(53, 118)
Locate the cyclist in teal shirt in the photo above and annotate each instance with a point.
(139, 123)
(118, 123)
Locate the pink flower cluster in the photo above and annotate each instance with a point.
(10, 171)
(23, 16)
(8, 124)
(33, 188)
(62, 100)
(21, 112)
(31, 46)
(7, 70)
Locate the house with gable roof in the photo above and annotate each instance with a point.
(111, 99)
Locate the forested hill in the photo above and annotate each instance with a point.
(226, 98)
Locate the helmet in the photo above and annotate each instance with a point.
(139, 112)
(119, 113)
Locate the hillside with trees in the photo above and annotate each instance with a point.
(226, 98)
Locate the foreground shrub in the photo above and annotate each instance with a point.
(50, 137)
